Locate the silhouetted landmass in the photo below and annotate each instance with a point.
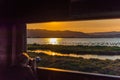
(112, 34)
(39, 33)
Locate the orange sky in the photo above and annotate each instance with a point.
(82, 26)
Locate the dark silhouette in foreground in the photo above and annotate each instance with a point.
(22, 71)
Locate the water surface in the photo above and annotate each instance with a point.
(86, 56)
(76, 41)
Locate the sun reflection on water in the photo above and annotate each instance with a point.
(53, 54)
(53, 41)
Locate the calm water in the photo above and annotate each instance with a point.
(77, 41)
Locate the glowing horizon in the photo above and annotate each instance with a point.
(88, 26)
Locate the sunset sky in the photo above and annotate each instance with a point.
(81, 26)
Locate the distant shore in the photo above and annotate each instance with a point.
(78, 49)
(41, 33)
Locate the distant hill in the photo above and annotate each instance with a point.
(39, 33)
(112, 34)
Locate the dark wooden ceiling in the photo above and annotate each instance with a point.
(56, 10)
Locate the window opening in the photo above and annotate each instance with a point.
(88, 46)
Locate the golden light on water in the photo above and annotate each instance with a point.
(53, 54)
(53, 41)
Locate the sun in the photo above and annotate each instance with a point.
(53, 41)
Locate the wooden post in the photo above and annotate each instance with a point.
(16, 41)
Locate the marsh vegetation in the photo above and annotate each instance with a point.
(111, 67)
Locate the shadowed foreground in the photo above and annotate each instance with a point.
(111, 67)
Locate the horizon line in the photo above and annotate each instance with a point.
(74, 31)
